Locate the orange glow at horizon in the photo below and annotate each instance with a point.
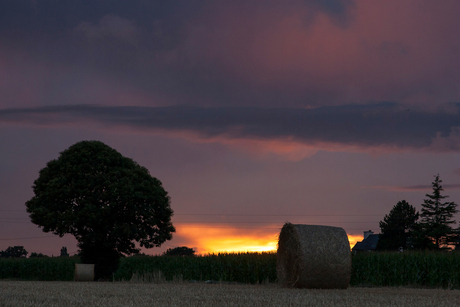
(209, 240)
(353, 239)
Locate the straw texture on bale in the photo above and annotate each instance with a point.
(312, 256)
(84, 272)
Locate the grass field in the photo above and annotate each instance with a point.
(51, 293)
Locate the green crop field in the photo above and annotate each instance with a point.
(418, 269)
(413, 269)
(46, 268)
(233, 267)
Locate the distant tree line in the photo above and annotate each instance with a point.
(14, 252)
(181, 251)
(20, 252)
(430, 229)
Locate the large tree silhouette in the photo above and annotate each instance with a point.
(107, 201)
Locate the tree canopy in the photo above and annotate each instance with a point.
(397, 227)
(107, 201)
(14, 252)
(180, 251)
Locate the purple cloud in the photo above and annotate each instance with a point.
(385, 125)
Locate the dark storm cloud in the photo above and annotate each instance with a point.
(377, 125)
(46, 24)
(296, 53)
(54, 30)
(159, 47)
(113, 36)
(52, 16)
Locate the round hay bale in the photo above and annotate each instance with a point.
(84, 272)
(312, 256)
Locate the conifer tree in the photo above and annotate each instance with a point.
(437, 216)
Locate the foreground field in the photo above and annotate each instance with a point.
(38, 293)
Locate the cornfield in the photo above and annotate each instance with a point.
(235, 267)
(46, 268)
(413, 269)
(425, 269)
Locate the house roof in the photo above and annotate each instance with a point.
(370, 243)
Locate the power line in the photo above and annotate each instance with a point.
(252, 222)
(278, 215)
(198, 222)
(240, 222)
(27, 238)
(224, 224)
(72, 253)
(194, 227)
(232, 214)
(255, 227)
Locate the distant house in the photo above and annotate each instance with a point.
(368, 244)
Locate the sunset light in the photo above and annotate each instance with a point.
(207, 239)
(353, 239)
(217, 239)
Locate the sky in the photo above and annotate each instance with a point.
(251, 113)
